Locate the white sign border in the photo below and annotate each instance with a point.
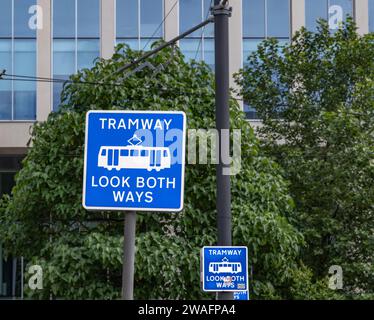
(203, 273)
(89, 208)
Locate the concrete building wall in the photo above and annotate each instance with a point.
(171, 26)
(44, 63)
(107, 28)
(297, 15)
(14, 135)
(236, 43)
(361, 13)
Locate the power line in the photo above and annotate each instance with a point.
(162, 22)
(11, 77)
(25, 78)
(202, 31)
(34, 77)
(121, 69)
(163, 46)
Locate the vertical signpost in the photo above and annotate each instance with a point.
(128, 256)
(221, 14)
(134, 161)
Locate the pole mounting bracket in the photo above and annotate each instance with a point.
(221, 9)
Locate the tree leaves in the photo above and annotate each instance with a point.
(81, 252)
(316, 102)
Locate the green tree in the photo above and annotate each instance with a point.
(81, 252)
(315, 97)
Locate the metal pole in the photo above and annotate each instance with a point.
(221, 14)
(128, 256)
(1, 269)
(14, 277)
(22, 275)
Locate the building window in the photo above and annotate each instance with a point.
(18, 57)
(138, 22)
(263, 19)
(371, 15)
(334, 11)
(76, 39)
(200, 44)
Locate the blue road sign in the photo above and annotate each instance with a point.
(241, 295)
(134, 160)
(224, 268)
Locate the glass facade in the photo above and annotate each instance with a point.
(18, 57)
(334, 11)
(76, 39)
(76, 36)
(200, 44)
(138, 22)
(263, 19)
(371, 15)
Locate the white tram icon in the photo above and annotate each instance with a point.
(225, 266)
(134, 157)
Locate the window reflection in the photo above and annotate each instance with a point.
(254, 18)
(22, 18)
(17, 56)
(190, 15)
(24, 91)
(266, 18)
(138, 22)
(249, 46)
(278, 18)
(6, 86)
(88, 19)
(371, 15)
(64, 57)
(190, 49)
(209, 52)
(63, 65)
(199, 45)
(132, 43)
(77, 45)
(6, 18)
(334, 11)
(263, 19)
(315, 10)
(87, 52)
(64, 18)
(127, 18)
(338, 11)
(150, 18)
(209, 28)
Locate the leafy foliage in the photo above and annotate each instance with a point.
(315, 97)
(81, 252)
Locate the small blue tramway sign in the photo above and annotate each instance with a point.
(224, 268)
